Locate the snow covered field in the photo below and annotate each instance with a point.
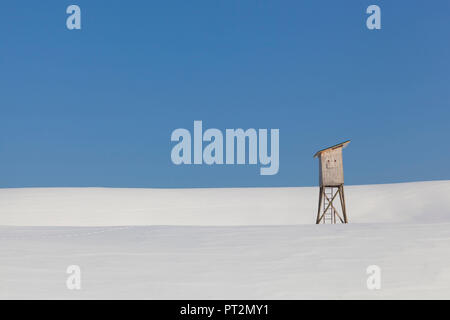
(224, 243)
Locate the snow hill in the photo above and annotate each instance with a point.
(424, 202)
(224, 243)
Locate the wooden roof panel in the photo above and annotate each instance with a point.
(339, 145)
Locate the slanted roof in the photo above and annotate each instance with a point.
(339, 145)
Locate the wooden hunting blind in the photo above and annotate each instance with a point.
(331, 181)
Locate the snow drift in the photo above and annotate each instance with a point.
(402, 202)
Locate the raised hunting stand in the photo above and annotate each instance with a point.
(331, 180)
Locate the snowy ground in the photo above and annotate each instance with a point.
(224, 243)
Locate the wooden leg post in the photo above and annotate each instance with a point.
(344, 211)
(320, 204)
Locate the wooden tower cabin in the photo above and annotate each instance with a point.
(331, 181)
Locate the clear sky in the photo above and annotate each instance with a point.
(97, 106)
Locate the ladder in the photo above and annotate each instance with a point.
(329, 216)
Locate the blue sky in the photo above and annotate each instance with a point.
(96, 107)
